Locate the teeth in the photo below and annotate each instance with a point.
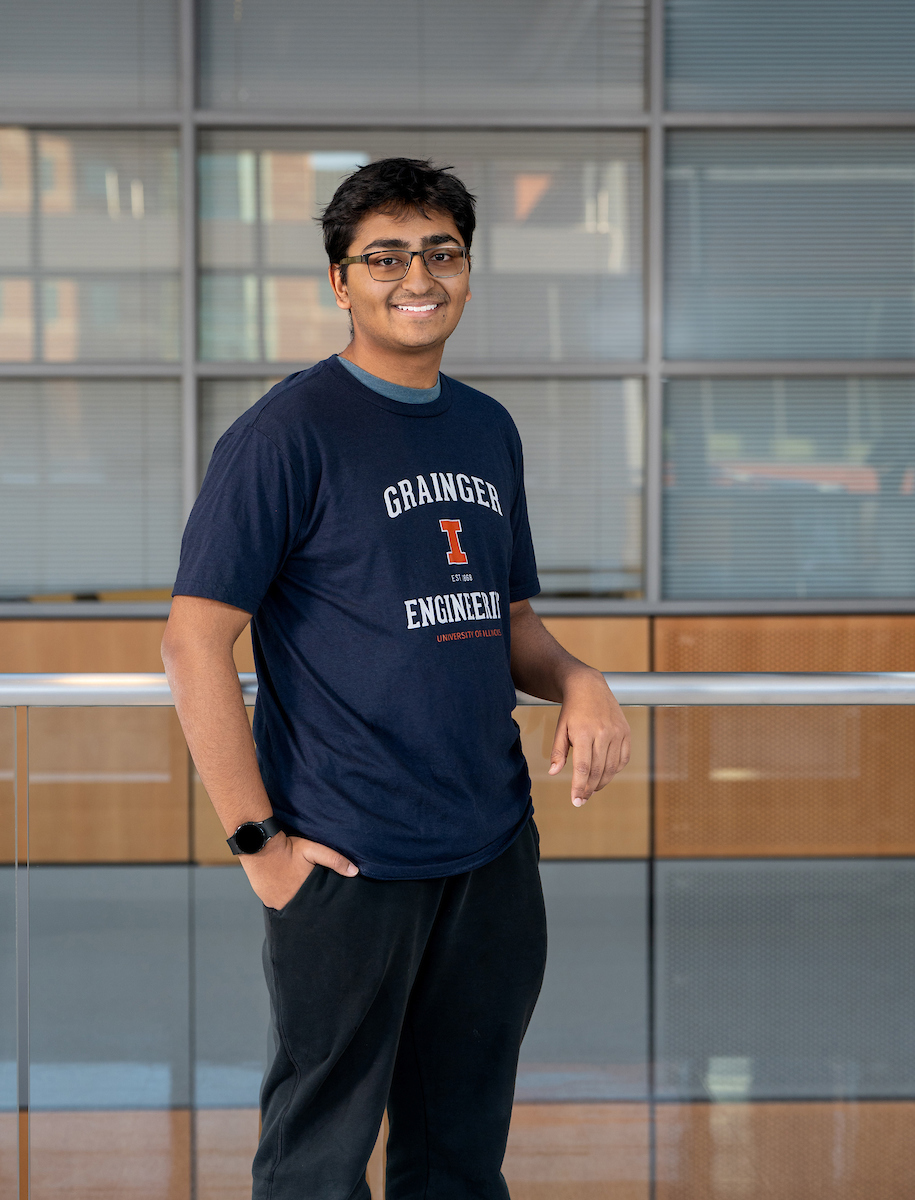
(417, 307)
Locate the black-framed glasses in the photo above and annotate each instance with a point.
(387, 266)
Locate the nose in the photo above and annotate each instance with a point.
(418, 277)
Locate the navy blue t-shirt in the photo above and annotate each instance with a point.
(378, 546)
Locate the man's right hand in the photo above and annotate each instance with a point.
(278, 871)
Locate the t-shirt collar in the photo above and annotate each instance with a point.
(431, 409)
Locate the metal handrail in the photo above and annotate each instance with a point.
(656, 688)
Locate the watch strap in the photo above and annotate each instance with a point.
(269, 828)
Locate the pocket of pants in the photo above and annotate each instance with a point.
(279, 912)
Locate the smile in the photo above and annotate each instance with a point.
(417, 308)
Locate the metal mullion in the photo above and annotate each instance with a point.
(21, 774)
(208, 118)
(460, 370)
(89, 370)
(585, 606)
(654, 306)
(35, 253)
(94, 272)
(782, 368)
(259, 256)
(188, 155)
(789, 120)
(91, 119)
(653, 481)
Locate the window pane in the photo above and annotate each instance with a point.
(89, 268)
(515, 57)
(221, 402)
(838, 54)
(789, 488)
(118, 54)
(17, 322)
(583, 451)
(790, 245)
(90, 485)
(108, 245)
(556, 259)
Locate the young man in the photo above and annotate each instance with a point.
(368, 516)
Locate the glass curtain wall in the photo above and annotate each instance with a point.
(743, 352)
(692, 290)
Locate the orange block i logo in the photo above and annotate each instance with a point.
(456, 555)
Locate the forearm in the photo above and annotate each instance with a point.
(211, 709)
(539, 665)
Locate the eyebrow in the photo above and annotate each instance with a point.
(434, 239)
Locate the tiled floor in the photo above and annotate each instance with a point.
(768, 1151)
(785, 1151)
(578, 1152)
(110, 1155)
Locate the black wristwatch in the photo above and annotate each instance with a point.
(253, 836)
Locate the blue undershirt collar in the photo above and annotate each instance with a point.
(393, 391)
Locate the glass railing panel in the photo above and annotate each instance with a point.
(109, 1071)
(784, 898)
(737, 907)
(109, 943)
(231, 1031)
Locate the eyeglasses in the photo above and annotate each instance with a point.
(387, 266)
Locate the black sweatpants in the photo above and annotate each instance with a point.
(410, 994)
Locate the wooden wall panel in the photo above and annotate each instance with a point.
(107, 785)
(798, 643)
(614, 823)
(578, 1152)
(796, 782)
(81, 645)
(110, 1155)
(784, 781)
(787, 1151)
(111, 814)
(89, 800)
(608, 643)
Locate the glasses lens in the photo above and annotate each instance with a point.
(444, 261)
(387, 265)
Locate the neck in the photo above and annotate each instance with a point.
(417, 369)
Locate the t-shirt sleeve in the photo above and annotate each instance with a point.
(522, 580)
(243, 524)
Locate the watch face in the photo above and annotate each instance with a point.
(250, 838)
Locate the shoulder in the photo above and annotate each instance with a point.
(288, 407)
(493, 421)
(477, 406)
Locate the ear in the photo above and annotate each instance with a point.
(335, 275)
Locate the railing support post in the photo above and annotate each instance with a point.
(22, 943)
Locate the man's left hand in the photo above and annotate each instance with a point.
(591, 724)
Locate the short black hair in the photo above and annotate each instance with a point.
(395, 185)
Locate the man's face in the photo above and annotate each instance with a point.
(417, 312)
